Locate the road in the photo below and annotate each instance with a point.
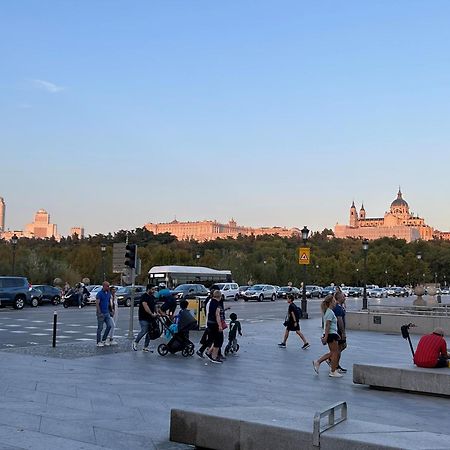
(34, 326)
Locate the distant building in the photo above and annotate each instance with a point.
(2, 214)
(398, 222)
(78, 231)
(211, 229)
(41, 227)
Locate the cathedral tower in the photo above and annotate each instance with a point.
(353, 216)
(362, 213)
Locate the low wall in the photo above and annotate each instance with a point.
(391, 322)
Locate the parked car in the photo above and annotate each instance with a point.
(376, 293)
(313, 291)
(35, 297)
(229, 291)
(260, 292)
(184, 291)
(284, 291)
(328, 290)
(50, 294)
(400, 292)
(445, 291)
(123, 295)
(90, 287)
(14, 291)
(94, 291)
(241, 291)
(355, 291)
(390, 291)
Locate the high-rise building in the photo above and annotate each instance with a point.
(2, 214)
(78, 231)
(41, 227)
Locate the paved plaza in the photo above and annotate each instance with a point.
(81, 397)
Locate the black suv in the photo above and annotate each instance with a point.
(49, 293)
(14, 291)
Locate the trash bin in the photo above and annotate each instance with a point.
(195, 307)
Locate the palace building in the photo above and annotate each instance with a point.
(211, 229)
(398, 222)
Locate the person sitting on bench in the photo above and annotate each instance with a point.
(432, 350)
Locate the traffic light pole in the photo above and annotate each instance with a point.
(130, 327)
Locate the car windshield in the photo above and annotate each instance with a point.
(184, 288)
(310, 287)
(219, 286)
(122, 290)
(258, 287)
(96, 289)
(285, 289)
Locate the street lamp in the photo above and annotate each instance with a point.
(386, 273)
(197, 257)
(103, 249)
(317, 274)
(365, 246)
(14, 241)
(419, 258)
(305, 233)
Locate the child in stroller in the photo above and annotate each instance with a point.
(179, 336)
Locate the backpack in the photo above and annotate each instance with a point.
(298, 312)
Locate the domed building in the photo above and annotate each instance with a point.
(398, 222)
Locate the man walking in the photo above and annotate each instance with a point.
(147, 316)
(102, 303)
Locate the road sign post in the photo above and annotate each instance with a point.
(130, 327)
(304, 259)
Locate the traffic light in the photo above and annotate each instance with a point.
(131, 255)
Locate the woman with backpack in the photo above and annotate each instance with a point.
(292, 323)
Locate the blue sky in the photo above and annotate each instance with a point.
(116, 113)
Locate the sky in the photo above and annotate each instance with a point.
(117, 113)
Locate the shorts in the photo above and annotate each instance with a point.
(332, 338)
(292, 327)
(215, 336)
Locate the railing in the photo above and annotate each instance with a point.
(330, 413)
(436, 311)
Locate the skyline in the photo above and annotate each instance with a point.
(114, 115)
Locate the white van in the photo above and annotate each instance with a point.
(229, 291)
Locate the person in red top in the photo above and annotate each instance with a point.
(432, 350)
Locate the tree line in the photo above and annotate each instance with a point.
(262, 259)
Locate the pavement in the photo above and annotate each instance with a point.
(78, 396)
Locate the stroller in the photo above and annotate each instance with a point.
(178, 338)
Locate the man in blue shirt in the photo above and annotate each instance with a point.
(103, 302)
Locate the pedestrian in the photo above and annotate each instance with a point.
(215, 328)
(169, 301)
(339, 312)
(102, 302)
(147, 317)
(235, 328)
(292, 323)
(114, 309)
(80, 293)
(330, 336)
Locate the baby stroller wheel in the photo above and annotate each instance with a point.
(163, 349)
(191, 349)
(186, 351)
(227, 349)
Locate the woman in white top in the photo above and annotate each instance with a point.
(114, 309)
(330, 337)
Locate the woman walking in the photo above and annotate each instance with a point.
(330, 337)
(292, 323)
(114, 308)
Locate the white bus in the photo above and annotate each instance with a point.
(172, 276)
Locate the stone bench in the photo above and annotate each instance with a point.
(405, 377)
(269, 428)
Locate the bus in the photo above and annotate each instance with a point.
(172, 276)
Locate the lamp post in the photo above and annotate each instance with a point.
(305, 233)
(357, 276)
(365, 246)
(14, 241)
(317, 274)
(103, 249)
(419, 258)
(386, 277)
(197, 257)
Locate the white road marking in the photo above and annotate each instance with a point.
(40, 334)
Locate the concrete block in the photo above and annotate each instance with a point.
(404, 377)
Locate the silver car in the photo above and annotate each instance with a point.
(260, 292)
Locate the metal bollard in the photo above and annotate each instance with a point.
(55, 319)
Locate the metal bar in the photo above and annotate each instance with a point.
(55, 319)
(332, 421)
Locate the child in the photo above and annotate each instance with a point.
(235, 328)
(292, 323)
(186, 321)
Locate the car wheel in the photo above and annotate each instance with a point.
(245, 299)
(34, 302)
(19, 303)
(273, 298)
(236, 298)
(261, 298)
(128, 302)
(56, 300)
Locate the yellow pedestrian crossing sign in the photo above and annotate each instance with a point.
(304, 254)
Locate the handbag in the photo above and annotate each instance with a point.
(224, 324)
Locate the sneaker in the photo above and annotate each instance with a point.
(335, 374)
(134, 346)
(316, 366)
(113, 342)
(106, 343)
(100, 344)
(305, 346)
(146, 349)
(216, 361)
(208, 355)
(341, 370)
(199, 354)
(282, 345)
(79, 307)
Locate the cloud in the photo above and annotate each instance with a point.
(48, 86)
